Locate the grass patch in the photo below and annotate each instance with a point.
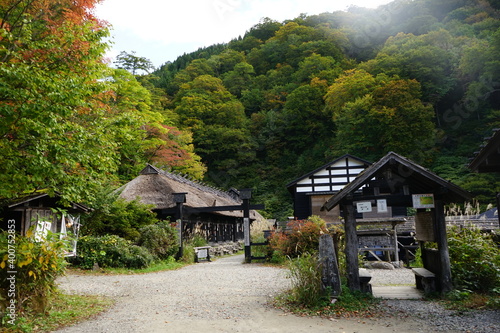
(348, 304)
(156, 267)
(65, 310)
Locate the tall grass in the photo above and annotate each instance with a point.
(305, 274)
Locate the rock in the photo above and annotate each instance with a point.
(380, 265)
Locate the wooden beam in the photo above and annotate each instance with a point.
(222, 208)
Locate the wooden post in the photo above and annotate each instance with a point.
(351, 247)
(444, 255)
(179, 199)
(245, 195)
(396, 247)
(330, 277)
(498, 207)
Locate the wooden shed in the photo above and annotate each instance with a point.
(312, 190)
(37, 211)
(396, 181)
(487, 159)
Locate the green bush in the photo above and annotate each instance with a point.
(474, 259)
(305, 274)
(37, 265)
(110, 251)
(117, 217)
(160, 239)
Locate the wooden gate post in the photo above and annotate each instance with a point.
(351, 247)
(444, 255)
(179, 199)
(245, 195)
(330, 277)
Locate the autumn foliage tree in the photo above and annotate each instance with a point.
(52, 121)
(68, 122)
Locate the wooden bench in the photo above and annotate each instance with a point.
(364, 280)
(425, 280)
(202, 252)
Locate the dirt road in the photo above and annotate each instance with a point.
(220, 296)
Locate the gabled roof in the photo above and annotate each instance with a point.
(488, 158)
(419, 179)
(38, 196)
(323, 167)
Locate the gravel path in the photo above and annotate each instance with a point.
(228, 296)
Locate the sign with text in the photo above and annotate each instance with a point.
(423, 200)
(364, 207)
(382, 206)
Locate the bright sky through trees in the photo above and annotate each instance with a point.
(162, 30)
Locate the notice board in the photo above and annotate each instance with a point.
(424, 226)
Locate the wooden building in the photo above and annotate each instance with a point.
(312, 190)
(202, 210)
(37, 211)
(397, 181)
(487, 159)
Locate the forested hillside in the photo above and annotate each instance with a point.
(421, 78)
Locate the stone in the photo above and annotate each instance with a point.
(380, 265)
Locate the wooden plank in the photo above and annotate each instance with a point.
(396, 292)
(425, 273)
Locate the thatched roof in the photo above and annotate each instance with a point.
(156, 187)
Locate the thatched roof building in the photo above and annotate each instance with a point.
(156, 187)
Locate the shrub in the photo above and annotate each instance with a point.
(301, 237)
(110, 251)
(305, 274)
(474, 259)
(160, 239)
(37, 265)
(118, 217)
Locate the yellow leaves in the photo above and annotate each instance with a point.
(32, 274)
(27, 261)
(2, 265)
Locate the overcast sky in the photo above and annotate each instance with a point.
(162, 30)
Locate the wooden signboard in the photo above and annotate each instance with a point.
(424, 227)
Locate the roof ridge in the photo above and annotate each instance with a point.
(182, 179)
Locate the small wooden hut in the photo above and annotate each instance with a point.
(156, 187)
(397, 181)
(38, 211)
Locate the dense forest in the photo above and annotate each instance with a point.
(418, 77)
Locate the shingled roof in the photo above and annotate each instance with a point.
(488, 158)
(419, 179)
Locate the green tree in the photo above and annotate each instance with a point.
(142, 135)
(304, 116)
(217, 121)
(389, 116)
(133, 63)
(428, 58)
(239, 78)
